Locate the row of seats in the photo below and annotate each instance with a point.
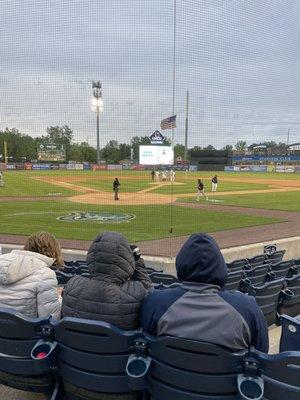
(85, 358)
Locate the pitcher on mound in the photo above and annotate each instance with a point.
(200, 190)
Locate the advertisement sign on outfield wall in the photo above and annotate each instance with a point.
(244, 168)
(297, 168)
(10, 166)
(41, 167)
(289, 168)
(279, 168)
(114, 167)
(99, 167)
(229, 168)
(138, 167)
(258, 168)
(2, 166)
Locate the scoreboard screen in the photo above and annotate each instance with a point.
(51, 152)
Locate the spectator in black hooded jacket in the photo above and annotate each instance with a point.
(200, 309)
(116, 289)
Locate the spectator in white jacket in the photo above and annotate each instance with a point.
(27, 284)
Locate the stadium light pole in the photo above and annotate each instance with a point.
(97, 106)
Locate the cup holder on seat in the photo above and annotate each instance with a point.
(250, 388)
(44, 355)
(136, 369)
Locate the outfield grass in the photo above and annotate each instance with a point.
(286, 201)
(21, 183)
(151, 222)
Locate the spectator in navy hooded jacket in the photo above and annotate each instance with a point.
(200, 309)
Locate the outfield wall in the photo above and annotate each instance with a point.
(263, 168)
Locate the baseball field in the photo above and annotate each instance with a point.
(80, 204)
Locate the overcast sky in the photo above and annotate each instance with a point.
(239, 59)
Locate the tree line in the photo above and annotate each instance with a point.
(22, 148)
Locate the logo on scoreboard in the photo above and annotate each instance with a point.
(103, 218)
(156, 138)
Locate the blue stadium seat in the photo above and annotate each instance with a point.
(234, 280)
(257, 260)
(276, 257)
(267, 297)
(62, 277)
(257, 275)
(93, 357)
(150, 270)
(190, 370)
(290, 304)
(27, 354)
(282, 269)
(290, 335)
(281, 375)
(164, 279)
(237, 265)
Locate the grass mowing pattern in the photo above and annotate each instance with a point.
(151, 222)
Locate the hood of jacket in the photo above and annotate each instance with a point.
(200, 260)
(19, 264)
(111, 257)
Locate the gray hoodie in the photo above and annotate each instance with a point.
(28, 285)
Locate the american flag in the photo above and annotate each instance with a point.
(168, 123)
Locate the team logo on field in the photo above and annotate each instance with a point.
(104, 217)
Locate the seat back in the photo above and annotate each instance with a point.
(93, 355)
(164, 279)
(291, 305)
(63, 277)
(234, 280)
(290, 334)
(280, 373)
(257, 260)
(276, 257)
(237, 265)
(190, 370)
(267, 297)
(282, 269)
(21, 340)
(257, 275)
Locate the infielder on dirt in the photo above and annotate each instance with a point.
(214, 183)
(200, 190)
(116, 188)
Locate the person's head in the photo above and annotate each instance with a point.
(46, 244)
(110, 255)
(199, 180)
(200, 260)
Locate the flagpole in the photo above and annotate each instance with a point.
(186, 126)
(174, 64)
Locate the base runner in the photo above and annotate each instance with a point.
(200, 190)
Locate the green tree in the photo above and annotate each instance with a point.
(60, 134)
(124, 151)
(20, 147)
(111, 153)
(228, 147)
(179, 151)
(241, 145)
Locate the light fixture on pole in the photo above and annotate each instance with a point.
(97, 107)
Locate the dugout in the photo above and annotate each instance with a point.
(211, 160)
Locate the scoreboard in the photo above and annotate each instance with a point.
(51, 152)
